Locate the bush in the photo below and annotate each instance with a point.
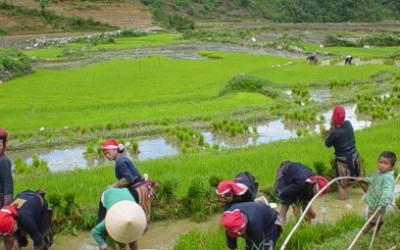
(246, 83)
(13, 63)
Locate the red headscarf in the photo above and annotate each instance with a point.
(320, 183)
(7, 221)
(234, 223)
(338, 116)
(226, 187)
(112, 145)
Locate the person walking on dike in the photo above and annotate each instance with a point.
(296, 185)
(243, 188)
(125, 220)
(347, 160)
(27, 214)
(6, 180)
(380, 188)
(128, 176)
(258, 223)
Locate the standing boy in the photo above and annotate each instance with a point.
(258, 223)
(381, 188)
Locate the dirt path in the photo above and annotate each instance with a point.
(123, 15)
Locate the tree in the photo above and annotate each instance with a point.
(44, 4)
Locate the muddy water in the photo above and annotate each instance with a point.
(153, 148)
(176, 51)
(162, 235)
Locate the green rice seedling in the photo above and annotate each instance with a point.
(134, 145)
(320, 167)
(21, 167)
(70, 208)
(165, 193)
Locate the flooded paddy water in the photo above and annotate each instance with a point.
(158, 147)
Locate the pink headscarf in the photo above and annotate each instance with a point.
(112, 145)
(227, 187)
(338, 116)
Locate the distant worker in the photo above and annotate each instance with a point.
(28, 214)
(313, 60)
(125, 220)
(348, 59)
(258, 223)
(243, 188)
(296, 183)
(381, 189)
(347, 160)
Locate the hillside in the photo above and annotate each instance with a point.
(118, 14)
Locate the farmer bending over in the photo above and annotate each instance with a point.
(125, 220)
(243, 188)
(27, 214)
(295, 183)
(258, 223)
(381, 188)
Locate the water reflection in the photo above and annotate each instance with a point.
(71, 158)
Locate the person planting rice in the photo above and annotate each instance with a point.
(125, 220)
(258, 223)
(347, 160)
(348, 59)
(296, 185)
(27, 214)
(381, 189)
(242, 188)
(313, 60)
(6, 180)
(127, 176)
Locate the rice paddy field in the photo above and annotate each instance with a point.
(111, 98)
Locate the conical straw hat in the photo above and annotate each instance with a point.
(125, 221)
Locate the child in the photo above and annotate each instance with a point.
(6, 180)
(381, 188)
(258, 223)
(297, 183)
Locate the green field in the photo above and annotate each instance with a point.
(261, 161)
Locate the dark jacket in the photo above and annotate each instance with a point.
(291, 185)
(342, 139)
(261, 229)
(6, 181)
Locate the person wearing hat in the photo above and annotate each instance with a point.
(347, 160)
(125, 220)
(297, 183)
(6, 180)
(242, 188)
(348, 60)
(128, 175)
(27, 214)
(258, 223)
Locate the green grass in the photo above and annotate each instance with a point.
(304, 73)
(261, 161)
(358, 52)
(127, 90)
(120, 43)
